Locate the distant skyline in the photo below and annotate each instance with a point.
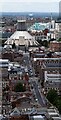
(29, 1)
(29, 6)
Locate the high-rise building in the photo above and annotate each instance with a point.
(3, 80)
(60, 9)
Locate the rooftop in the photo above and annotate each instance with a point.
(53, 65)
(39, 26)
(37, 117)
(21, 38)
(4, 60)
(21, 21)
(56, 118)
(24, 34)
(46, 59)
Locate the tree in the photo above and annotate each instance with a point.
(59, 40)
(14, 45)
(19, 87)
(43, 43)
(59, 105)
(52, 96)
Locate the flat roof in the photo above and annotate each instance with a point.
(56, 118)
(53, 113)
(21, 21)
(4, 60)
(47, 59)
(38, 116)
(51, 110)
(53, 65)
(39, 54)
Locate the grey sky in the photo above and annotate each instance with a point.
(29, 6)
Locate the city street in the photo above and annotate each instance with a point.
(39, 95)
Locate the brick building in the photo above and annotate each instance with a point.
(55, 46)
(49, 70)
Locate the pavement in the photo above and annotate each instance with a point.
(39, 95)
